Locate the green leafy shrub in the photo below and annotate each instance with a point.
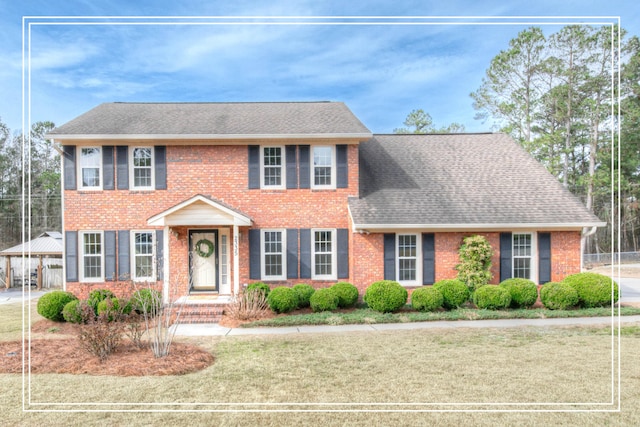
(492, 297)
(283, 299)
(475, 262)
(98, 295)
(347, 294)
(426, 299)
(594, 290)
(386, 296)
(324, 299)
(304, 292)
(71, 312)
(263, 287)
(524, 293)
(558, 296)
(454, 292)
(51, 304)
(146, 300)
(112, 307)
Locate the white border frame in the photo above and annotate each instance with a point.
(81, 256)
(418, 279)
(312, 168)
(334, 255)
(79, 168)
(132, 256)
(283, 235)
(283, 168)
(131, 167)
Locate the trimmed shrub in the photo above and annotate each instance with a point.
(324, 299)
(524, 293)
(283, 299)
(347, 294)
(51, 304)
(454, 292)
(259, 286)
(72, 313)
(112, 308)
(386, 296)
(475, 262)
(558, 296)
(426, 299)
(304, 292)
(98, 295)
(594, 290)
(146, 300)
(492, 297)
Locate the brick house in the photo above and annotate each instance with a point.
(207, 197)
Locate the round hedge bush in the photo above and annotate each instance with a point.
(386, 296)
(454, 292)
(71, 312)
(347, 294)
(304, 292)
(558, 296)
(426, 299)
(259, 286)
(492, 297)
(324, 299)
(146, 301)
(51, 304)
(98, 295)
(283, 299)
(111, 307)
(524, 293)
(594, 290)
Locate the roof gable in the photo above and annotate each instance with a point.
(200, 210)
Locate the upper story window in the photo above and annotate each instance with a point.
(142, 168)
(91, 256)
(323, 171)
(272, 170)
(90, 172)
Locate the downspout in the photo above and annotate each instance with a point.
(585, 233)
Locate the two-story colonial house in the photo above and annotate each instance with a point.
(207, 197)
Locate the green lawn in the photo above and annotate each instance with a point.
(512, 366)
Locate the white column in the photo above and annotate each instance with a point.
(236, 260)
(165, 263)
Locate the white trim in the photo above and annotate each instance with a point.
(165, 262)
(132, 256)
(224, 252)
(131, 167)
(196, 136)
(470, 227)
(312, 168)
(418, 280)
(81, 256)
(236, 218)
(79, 168)
(283, 253)
(334, 255)
(533, 266)
(236, 259)
(283, 169)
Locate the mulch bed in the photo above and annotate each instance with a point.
(64, 355)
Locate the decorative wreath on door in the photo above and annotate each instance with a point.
(209, 248)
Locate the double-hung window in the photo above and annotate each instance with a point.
(323, 172)
(408, 258)
(273, 255)
(272, 168)
(141, 168)
(143, 265)
(324, 254)
(91, 256)
(90, 171)
(523, 255)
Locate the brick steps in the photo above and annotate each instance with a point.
(202, 311)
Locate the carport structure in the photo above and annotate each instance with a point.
(46, 245)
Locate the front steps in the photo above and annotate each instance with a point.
(203, 308)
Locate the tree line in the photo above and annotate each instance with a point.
(563, 99)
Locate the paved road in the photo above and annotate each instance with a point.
(12, 295)
(629, 290)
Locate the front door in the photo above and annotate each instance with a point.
(203, 260)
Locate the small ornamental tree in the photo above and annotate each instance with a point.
(475, 262)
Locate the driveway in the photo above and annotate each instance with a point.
(13, 295)
(629, 290)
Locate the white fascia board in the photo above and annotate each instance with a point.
(475, 227)
(237, 219)
(62, 137)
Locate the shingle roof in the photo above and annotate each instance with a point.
(48, 243)
(200, 120)
(459, 180)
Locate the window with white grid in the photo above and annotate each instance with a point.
(324, 254)
(142, 167)
(272, 167)
(323, 167)
(90, 168)
(92, 257)
(407, 257)
(143, 261)
(522, 255)
(273, 255)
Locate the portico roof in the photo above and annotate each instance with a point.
(200, 210)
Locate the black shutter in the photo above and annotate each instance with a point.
(160, 159)
(305, 253)
(160, 254)
(124, 262)
(122, 167)
(107, 168)
(71, 255)
(292, 253)
(343, 253)
(110, 272)
(254, 254)
(304, 168)
(428, 258)
(292, 166)
(544, 257)
(69, 154)
(342, 168)
(390, 256)
(505, 256)
(254, 166)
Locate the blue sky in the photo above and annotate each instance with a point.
(381, 71)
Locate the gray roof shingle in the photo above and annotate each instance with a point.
(211, 119)
(459, 180)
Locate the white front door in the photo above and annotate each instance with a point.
(203, 256)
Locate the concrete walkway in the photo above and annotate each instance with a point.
(217, 330)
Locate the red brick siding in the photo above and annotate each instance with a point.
(447, 246)
(565, 254)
